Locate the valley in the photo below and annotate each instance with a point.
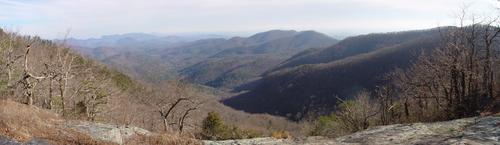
(249, 72)
(277, 69)
(215, 62)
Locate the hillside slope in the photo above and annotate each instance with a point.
(140, 53)
(295, 91)
(235, 66)
(136, 54)
(88, 90)
(356, 45)
(141, 66)
(30, 124)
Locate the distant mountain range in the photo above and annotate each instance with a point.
(214, 61)
(137, 40)
(259, 53)
(286, 73)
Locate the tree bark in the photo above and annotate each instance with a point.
(165, 124)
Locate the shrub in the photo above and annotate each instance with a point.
(123, 81)
(324, 126)
(351, 116)
(281, 134)
(213, 128)
(237, 133)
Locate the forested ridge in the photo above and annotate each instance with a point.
(50, 76)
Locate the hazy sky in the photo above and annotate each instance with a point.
(92, 18)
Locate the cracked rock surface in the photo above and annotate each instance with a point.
(468, 131)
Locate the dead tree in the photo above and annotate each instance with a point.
(165, 111)
(174, 103)
(185, 115)
(29, 81)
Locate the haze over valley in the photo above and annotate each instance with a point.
(250, 72)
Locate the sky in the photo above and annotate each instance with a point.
(52, 19)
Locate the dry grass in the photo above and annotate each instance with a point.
(263, 123)
(127, 111)
(23, 123)
(162, 139)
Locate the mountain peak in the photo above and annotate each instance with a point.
(311, 32)
(272, 35)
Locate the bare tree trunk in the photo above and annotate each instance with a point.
(64, 72)
(11, 60)
(51, 95)
(9, 75)
(25, 80)
(62, 92)
(30, 98)
(166, 114)
(165, 123)
(184, 116)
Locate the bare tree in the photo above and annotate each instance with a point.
(387, 100)
(95, 95)
(185, 115)
(165, 111)
(90, 93)
(174, 104)
(10, 57)
(455, 80)
(28, 81)
(53, 75)
(64, 73)
(355, 115)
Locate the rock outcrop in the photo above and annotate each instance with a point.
(112, 133)
(469, 131)
(35, 141)
(463, 131)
